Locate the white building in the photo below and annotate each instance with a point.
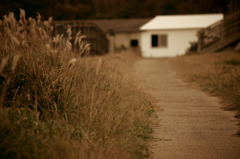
(170, 35)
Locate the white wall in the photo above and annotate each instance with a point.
(125, 39)
(178, 42)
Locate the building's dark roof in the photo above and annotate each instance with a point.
(121, 25)
(117, 25)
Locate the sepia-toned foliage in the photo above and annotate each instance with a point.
(92, 9)
(56, 103)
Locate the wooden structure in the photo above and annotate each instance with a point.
(223, 33)
(95, 35)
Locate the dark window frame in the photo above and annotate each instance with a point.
(159, 40)
(154, 39)
(134, 43)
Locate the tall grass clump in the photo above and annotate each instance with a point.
(56, 104)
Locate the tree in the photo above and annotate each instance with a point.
(85, 9)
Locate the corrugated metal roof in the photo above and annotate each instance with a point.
(181, 21)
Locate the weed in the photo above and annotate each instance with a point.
(234, 62)
(55, 103)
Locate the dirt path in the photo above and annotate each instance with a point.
(190, 124)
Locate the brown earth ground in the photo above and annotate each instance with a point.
(190, 123)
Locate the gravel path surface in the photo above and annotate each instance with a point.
(190, 124)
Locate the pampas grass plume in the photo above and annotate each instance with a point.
(23, 16)
(15, 40)
(4, 63)
(69, 32)
(15, 61)
(99, 65)
(77, 37)
(68, 46)
(72, 62)
(48, 47)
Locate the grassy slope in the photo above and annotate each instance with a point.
(216, 73)
(56, 104)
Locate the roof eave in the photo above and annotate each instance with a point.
(164, 29)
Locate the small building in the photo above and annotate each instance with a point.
(122, 33)
(170, 35)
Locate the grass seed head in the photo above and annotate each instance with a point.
(99, 65)
(77, 37)
(48, 47)
(3, 63)
(87, 48)
(15, 61)
(15, 40)
(50, 19)
(72, 62)
(38, 18)
(69, 32)
(12, 21)
(33, 24)
(68, 46)
(45, 23)
(23, 15)
(56, 39)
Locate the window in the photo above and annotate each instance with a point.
(163, 40)
(154, 40)
(134, 43)
(159, 40)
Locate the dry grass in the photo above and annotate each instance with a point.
(218, 74)
(54, 103)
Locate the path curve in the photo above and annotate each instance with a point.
(191, 124)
